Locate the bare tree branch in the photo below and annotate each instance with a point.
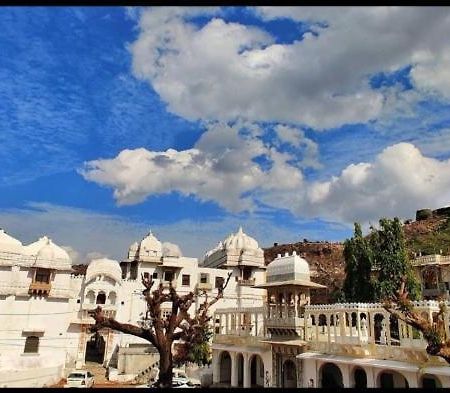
(433, 332)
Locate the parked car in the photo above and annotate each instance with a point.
(79, 379)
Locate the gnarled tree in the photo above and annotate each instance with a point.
(179, 326)
(433, 331)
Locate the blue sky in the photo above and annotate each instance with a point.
(292, 122)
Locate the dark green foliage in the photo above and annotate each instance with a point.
(200, 353)
(358, 256)
(391, 259)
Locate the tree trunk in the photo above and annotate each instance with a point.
(165, 366)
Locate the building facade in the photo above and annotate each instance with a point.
(291, 343)
(44, 303)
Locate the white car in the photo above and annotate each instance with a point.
(79, 379)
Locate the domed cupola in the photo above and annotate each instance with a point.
(106, 267)
(237, 249)
(48, 255)
(9, 244)
(288, 267)
(150, 246)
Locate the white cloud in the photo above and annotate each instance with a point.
(219, 167)
(225, 71)
(398, 182)
(94, 235)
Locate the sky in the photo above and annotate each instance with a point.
(294, 122)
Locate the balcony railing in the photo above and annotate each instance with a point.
(246, 282)
(166, 284)
(40, 288)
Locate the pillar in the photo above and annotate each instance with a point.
(296, 300)
(227, 326)
(334, 327)
(234, 370)
(388, 329)
(247, 379)
(345, 370)
(358, 326)
(371, 382)
(372, 327)
(216, 366)
(316, 320)
(328, 322)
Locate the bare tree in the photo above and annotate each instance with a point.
(433, 332)
(163, 331)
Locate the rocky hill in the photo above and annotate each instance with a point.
(326, 262)
(428, 234)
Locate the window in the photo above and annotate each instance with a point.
(123, 266)
(204, 278)
(155, 275)
(133, 270)
(186, 279)
(42, 275)
(219, 282)
(168, 275)
(147, 276)
(31, 344)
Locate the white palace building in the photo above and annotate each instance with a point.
(266, 332)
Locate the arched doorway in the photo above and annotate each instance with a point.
(101, 298)
(392, 379)
(95, 348)
(225, 368)
(360, 378)
(256, 371)
(331, 376)
(240, 369)
(289, 374)
(430, 381)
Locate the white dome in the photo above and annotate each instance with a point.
(240, 241)
(150, 245)
(106, 267)
(171, 250)
(288, 267)
(8, 243)
(48, 254)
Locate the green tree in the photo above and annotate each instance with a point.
(358, 286)
(391, 260)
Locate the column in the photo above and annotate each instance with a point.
(296, 300)
(370, 377)
(388, 329)
(216, 366)
(345, 374)
(316, 320)
(286, 305)
(447, 331)
(358, 326)
(227, 326)
(350, 327)
(328, 322)
(256, 324)
(410, 333)
(334, 327)
(372, 327)
(247, 380)
(234, 370)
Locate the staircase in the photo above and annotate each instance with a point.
(145, 375)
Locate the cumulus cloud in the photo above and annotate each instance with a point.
(398, 182)
(220, 167)
(224, 71)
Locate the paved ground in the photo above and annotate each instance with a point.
(100, 380)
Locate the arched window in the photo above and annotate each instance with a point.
(31, 344)
(112, 298)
